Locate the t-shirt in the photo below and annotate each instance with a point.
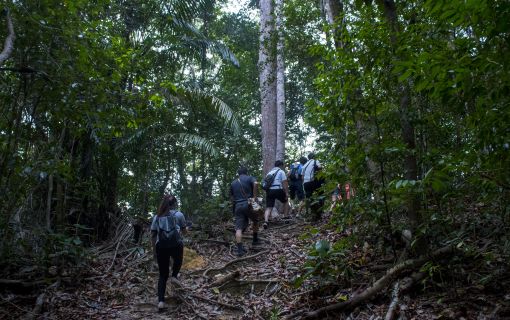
(247, 185)
(180, 222)
(308, 173)
(278, 179)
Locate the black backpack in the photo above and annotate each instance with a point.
(294, 173)
(268, 180)
(172, 237)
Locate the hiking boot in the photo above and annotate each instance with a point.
(161, 306)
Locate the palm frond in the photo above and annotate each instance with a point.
(193, 140)
(187, 9)
(214, 47)
(197, 97)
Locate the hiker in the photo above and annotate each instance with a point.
(242, 190)
(311, 183)
(278, 189)
(296, 180)
(167, 228)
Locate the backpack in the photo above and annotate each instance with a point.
(294, 173)
(172, 237)
(268, 180)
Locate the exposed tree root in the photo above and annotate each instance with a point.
(394, 302)
(234, 261)
(222, 280)
(378, 286)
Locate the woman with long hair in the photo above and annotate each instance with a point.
(166, 229)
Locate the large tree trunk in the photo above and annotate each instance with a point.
(280, 83)
(332, 11)
(407, 126)
(267, 78)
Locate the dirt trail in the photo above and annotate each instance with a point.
(217, 284)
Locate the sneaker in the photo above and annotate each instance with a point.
(176, 283)
(161, 306)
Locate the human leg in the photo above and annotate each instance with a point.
(270, 200)
(241, 223)
(163, 258)
(177, 255)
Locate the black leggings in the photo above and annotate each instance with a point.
(163, 256)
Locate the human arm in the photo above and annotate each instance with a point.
(181, 221)
(285, 184)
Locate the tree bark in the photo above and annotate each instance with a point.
(267, 80)
(332, 11)
(9, 41)
(407, 126)
(280, 83)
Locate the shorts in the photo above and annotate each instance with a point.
(310, 188)
(274, 194)
(243, 215)
(296, 189)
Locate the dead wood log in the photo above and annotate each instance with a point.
(222, 280)
(379, 285)
(9, 41)
(394, 302)
(234, 261)
(225, 243)
(39, 303)
(20, 285)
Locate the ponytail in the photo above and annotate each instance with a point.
(168, 202)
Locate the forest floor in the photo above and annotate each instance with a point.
(120, 283)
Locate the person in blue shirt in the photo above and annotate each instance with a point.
(168, 211)
(296, 180)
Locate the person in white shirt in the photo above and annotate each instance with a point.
(279, 190)
(311, 184)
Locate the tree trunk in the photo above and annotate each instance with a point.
(267, 79)
(280, 83)
(332, 11)
(9, 41)
(407, 126)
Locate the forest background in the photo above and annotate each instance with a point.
(106, 105)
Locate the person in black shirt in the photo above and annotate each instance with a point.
(243, 188)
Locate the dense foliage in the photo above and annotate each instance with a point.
(436, 73)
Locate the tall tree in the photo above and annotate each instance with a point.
(267, 80)
(280, 83)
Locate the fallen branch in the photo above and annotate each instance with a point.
(379, 285)
(114, 256)
(39, 302)
(222, 280)
(234, 261)
(21, 285)
(225, 243)
(394, 302)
